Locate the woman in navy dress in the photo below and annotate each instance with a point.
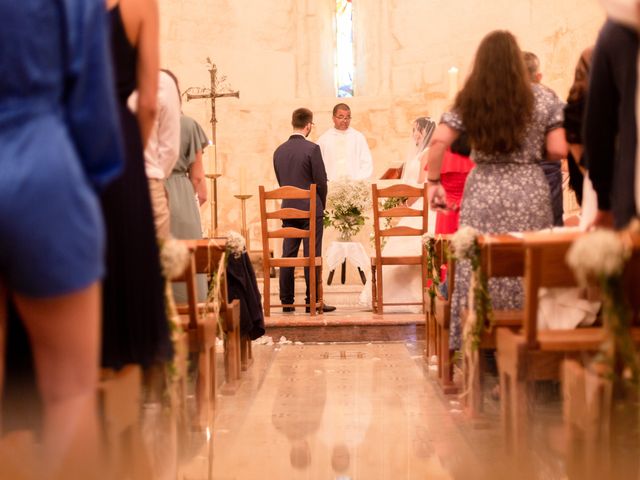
(59, 144)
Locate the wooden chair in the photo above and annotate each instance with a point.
(207, 260)
(400, 190)
(120, 399)
(530, 355)
(201, 329)
(310, 262)
(500, 256)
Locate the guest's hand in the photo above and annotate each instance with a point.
(437, 197)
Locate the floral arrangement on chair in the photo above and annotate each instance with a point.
(428, 242)
(236, 244)
(464, 244)
(235, 247)
(174, 256)
(601, 256)
(346, 203)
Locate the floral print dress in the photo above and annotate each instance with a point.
(505, 193)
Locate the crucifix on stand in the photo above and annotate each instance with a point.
(218, 89)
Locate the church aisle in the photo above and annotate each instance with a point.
(340, 411)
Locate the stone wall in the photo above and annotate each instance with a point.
(279, 55)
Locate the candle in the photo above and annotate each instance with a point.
(453, 83)
(211, 166)
(243, 180)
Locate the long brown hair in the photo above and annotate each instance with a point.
(496, 101)
(581, 77)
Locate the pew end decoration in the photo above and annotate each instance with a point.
(236, 245)
(433, 274)
(174, 258)
(465, 246)
(600, 257)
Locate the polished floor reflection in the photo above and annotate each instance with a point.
(335, 411)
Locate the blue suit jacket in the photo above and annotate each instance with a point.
(298, 163)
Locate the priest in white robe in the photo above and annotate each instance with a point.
(344, 149)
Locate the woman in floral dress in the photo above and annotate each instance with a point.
(512, 125)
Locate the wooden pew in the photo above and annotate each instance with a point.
(440, 247)
(207, 260)
(441, 322)
(590, 419)
(530, 355)
(500, 256)
(201, 328)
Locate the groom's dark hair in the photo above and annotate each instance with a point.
(301, 118)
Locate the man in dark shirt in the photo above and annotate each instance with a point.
(298, 163)
(610, 136)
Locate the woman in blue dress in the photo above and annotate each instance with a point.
(59, 145)
(512, 125)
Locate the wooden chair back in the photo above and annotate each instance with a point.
(207, 257)
(290, 193)
(189, 279)
(382, 231)
(201, 329)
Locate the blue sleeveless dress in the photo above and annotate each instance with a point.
(59, 143)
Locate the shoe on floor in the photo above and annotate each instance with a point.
(288, 309)
(325, 308)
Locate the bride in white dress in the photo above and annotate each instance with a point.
(402, 283)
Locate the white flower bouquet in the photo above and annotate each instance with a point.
(236, 244)
(601, 256)
(174, 256)
(597, 254)
(346, 203)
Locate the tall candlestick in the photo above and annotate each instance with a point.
(211, 165)
(243, 180)
(453, 83)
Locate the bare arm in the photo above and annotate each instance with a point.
(148, 66)
(196, 175)
(556, 144)
(442, 139)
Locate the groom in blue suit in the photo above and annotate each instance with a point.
(298, 163)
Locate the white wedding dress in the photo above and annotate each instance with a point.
(403, 283)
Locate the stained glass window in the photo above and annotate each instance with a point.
(344, 48)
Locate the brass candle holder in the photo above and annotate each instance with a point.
(244, 232)
(213, 202)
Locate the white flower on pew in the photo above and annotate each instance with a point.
(426, 237)
(597, 254)
(174, 257)
(601, 256)
(236, 244)
(463, 241)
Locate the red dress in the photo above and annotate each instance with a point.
(453, 175)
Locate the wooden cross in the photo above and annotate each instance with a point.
(217, 90)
